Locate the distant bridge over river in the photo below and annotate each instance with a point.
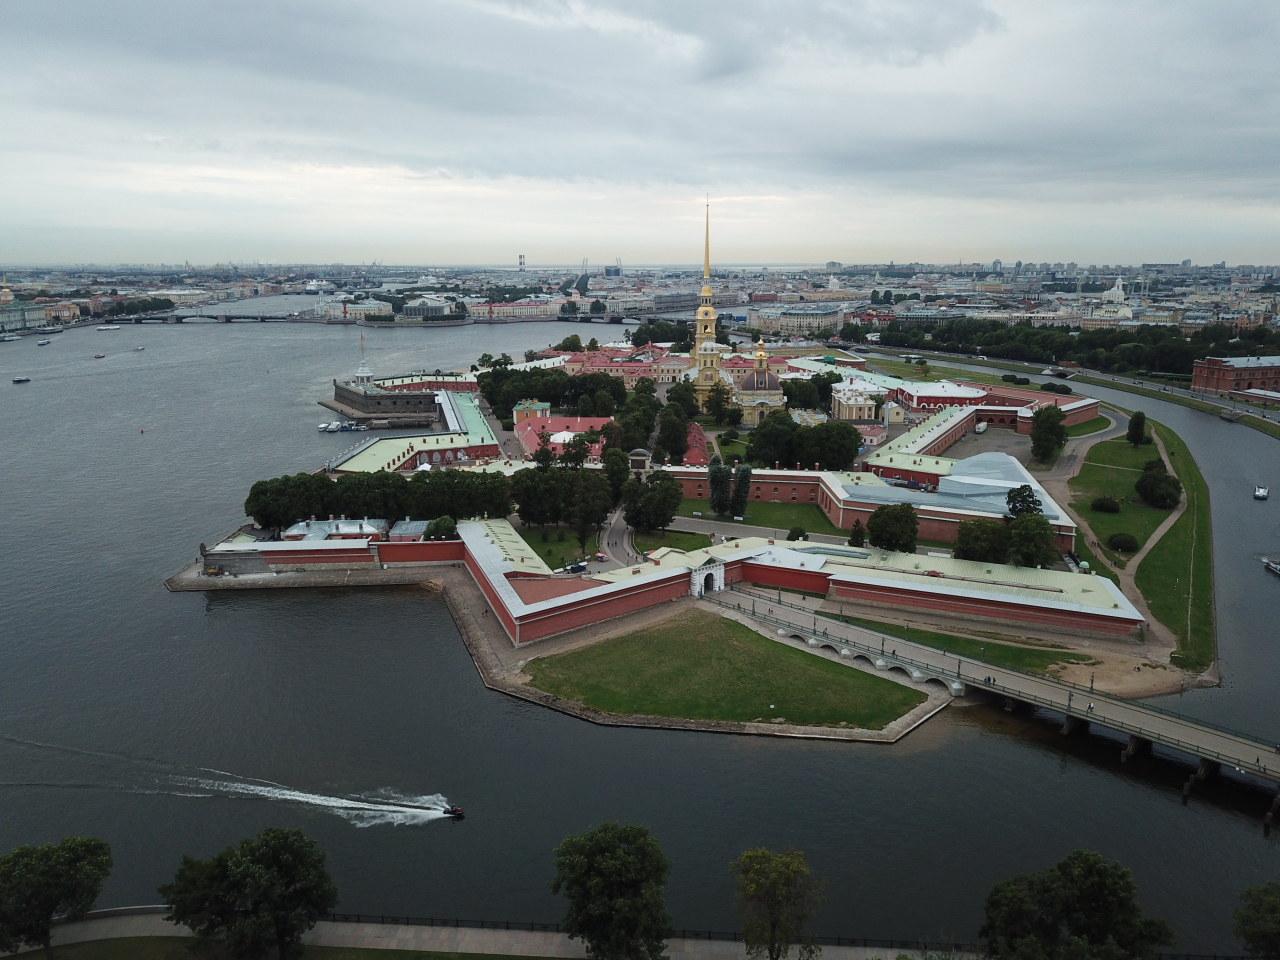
(1145, 724)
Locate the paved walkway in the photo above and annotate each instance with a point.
(394, 936)
(1241, 751)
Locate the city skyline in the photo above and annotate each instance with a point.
(470, 132)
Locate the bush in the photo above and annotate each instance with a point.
(730, 434)
(1010, 378)
(508, 424)
(1146, 440)
(1063, 389)
(1051, 387)
(1106, 505)
(1022, 381)
(1161, 490)
(797, 533)
(1123, 542)
(1156, 466)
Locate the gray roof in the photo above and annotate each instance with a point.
(978, 484)
(1249, 361)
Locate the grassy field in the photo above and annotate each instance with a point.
(704, 667)
(181, 948)
(554, 552)
(1089, 426)
(672, 538)
(991, 651)
(1097, 565)
(910, 371)
(780, 516)
(1176, 577)
(1111, 468)
(731, 450)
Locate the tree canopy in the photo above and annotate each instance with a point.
(1257, 921)
(651, 503)
(986, 541)
(832, 445)
(266, 892)
(1031, 541)
(1137, 430)
(893, 527)
(38, 883)
(614, 878)
(1047, 432)
(1022, 500)
(1083, 908)
(776, 895)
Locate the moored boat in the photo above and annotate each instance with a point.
(11, 338)
(109, 326)
(1271, 565)
(136, 349)
(98, 356)
(43, 343)
(21, 379)
(1261, 492)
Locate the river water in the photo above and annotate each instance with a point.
(172, 724)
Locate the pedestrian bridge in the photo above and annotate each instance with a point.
(1145, 724)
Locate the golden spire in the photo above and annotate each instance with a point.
(706, 249)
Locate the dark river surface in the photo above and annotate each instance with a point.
(172, 724)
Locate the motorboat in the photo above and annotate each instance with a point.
(21, 379)
(1271, 565)
(109, 326)
(1260, 492)
(333, 427)
(136, 349)
(323, 427)
(12, 338)
(455, 812)
(43, 343)
(98, 356)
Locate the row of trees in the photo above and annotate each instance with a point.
(1154, 347)
(262, 895)
(832, 445)
(282, 501)
(728, 490)
(574, 495)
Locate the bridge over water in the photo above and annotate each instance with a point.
(1145, 724)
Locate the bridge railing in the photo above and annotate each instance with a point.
(1270, 745)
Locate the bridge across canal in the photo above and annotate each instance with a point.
(1145, 723)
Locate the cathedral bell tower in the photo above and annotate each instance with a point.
(706, 352)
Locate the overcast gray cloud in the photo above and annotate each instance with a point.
(469, 130)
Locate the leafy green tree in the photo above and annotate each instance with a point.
(586, 405)
(733, 417)
(741, 491)
(832, 445)
(574, 453)
(984, 540)
(593, 344)
(530, 356)
(685, 396)
(776, 895)
(1083, 908)
(443, 527)
(603, 403)
(591, 504)
(1021, 500)
(266, 892)
(1031, 541)
(770, 441)
(1137, 431)
(582, 284)
(800, 394)
(673, 431)
(55, 880)
(651, 503)
(894, 527)
(797, 533)
(1047, 432)
(1162, 490)
(485, 360)
(1257, 923)
(719, 486)
(646, 386)
(616, 468)
(544, 456)
(572, 342)
(719, 400)
(530, 493)
(597, 307)
(569, 308)
(614, 877)
(858, 534)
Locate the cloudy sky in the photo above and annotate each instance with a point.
(470, 131)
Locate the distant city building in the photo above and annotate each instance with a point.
(1221, 375)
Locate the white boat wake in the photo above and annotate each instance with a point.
(122, 773)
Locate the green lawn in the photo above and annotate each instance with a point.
(1111, 468)
(704, 667)
(181, 948)
(780, 516)
(910, 371)
(1176, 577)
(1089, 426)
(731, 450)
(672, 538)
(557, 553)
(991, 651)
(1099, 566)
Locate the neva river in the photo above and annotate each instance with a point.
(172, 724)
